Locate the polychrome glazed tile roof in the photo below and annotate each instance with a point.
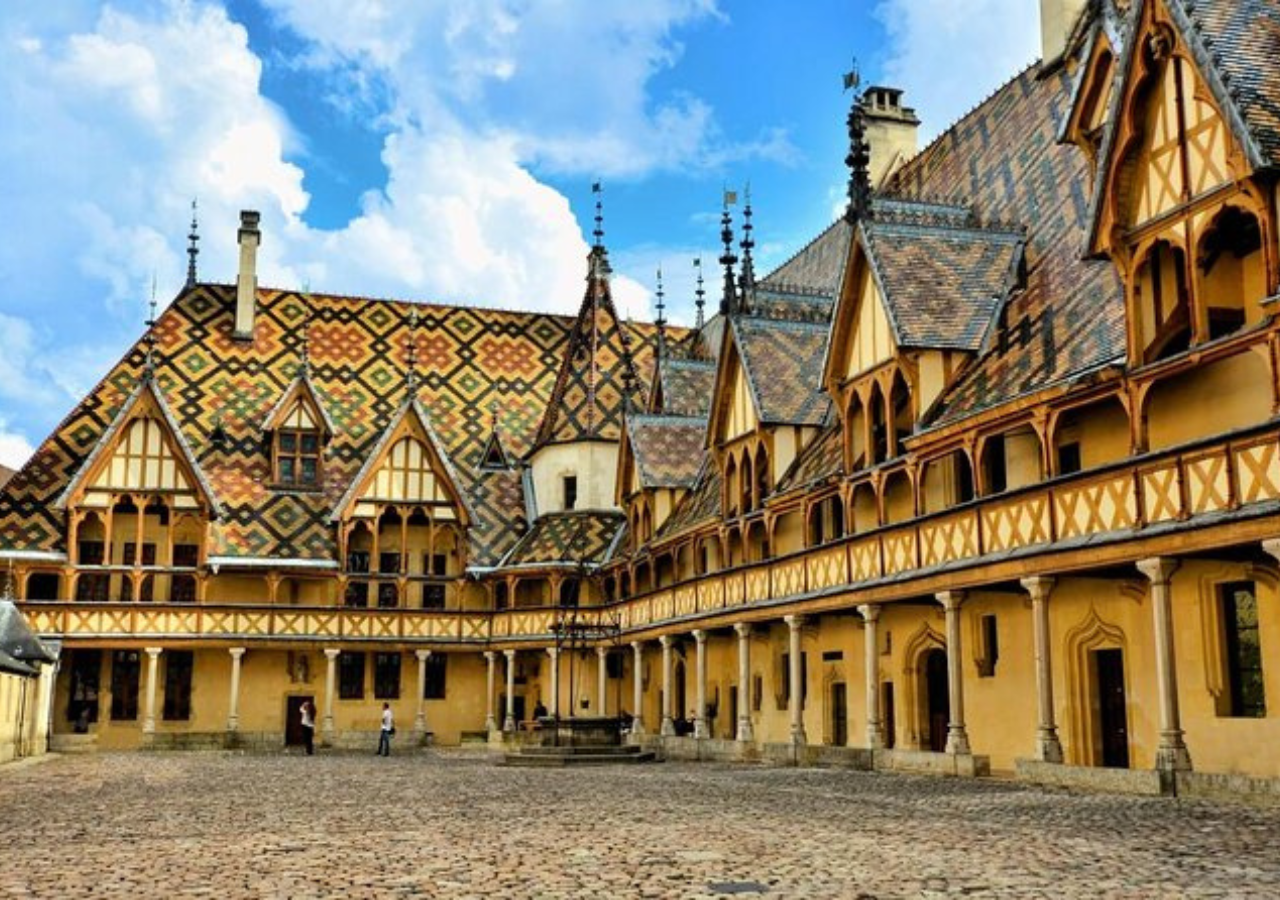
(581, 537)
(686, 386)
(667, 449)
(699, 506)
(468, 360)
(821, 458)
(1002, 161)
(783, 362)
(815, 268)
(941, 284)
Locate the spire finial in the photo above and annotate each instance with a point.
(662, 319)
(193, 250)
(149, 365)
(700, 294)
(411, 353)
(728, 303)
(304, 357)
(859, 157)
(747, 281)
(494, 406)
(598, 189)
(8, 583)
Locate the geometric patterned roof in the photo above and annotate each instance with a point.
(578, 537)
(1003, 162)
(699, 506)
(597, 370)
(685, 386)
(783, 364)
(220, 390)
(820, 459)
(667, 449)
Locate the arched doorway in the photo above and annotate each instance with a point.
(937, 701)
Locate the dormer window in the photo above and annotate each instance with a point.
(570, 492)
(297, 457)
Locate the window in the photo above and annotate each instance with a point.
(613, 665)
(570, 492)
(433, 596)
(44, 586)
(996, 471)
(437, 670)
(82, 698)
(298, 457)
(1244, 650)
(386, 676)
(93, 587)
(125, 668)
(757, 692)
(1069, 460)
(183, 587)
(357, 593)
(388, 591)
(148, 559)
(989, 651)
(436, 564)
(350, 675)
(177, 685)
(1165, 303)
(570, 589)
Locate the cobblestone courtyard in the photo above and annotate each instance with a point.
(454, 825)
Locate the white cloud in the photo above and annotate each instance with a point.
(15, 449)
(948, 55)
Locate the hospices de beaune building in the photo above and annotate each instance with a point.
(985, 477)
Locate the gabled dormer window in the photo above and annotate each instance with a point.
(298, 427)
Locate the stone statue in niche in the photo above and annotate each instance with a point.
(299, 668)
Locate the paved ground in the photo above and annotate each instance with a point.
(452, 825)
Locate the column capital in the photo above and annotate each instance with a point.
(743, 629)
(423, 655)
(1038, 586)
(1158, 569)
(236, 652)
(153, 652)
(1271, 547)
(489, 655)
(950, 600)
(637, 646)
(665, 641)
(602, 651)
(332, 652)
(509, 654)
(553, 652)
(699, 635)
(794, 622)
(870, 612)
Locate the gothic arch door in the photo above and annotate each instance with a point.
(937, 705)
(1110, 715)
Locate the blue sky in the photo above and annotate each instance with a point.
(437, 151)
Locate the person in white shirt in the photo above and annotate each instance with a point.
(388, 729)
(308, 726)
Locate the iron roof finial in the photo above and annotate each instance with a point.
(728, 300)
(411, 353)
(700, 294)
(598, 189)
(149, 363)
(304, 354)
(859, 157)
(193, 248)
(747, 279)
(661, 320)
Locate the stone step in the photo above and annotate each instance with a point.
(582, 749)
(540, 760)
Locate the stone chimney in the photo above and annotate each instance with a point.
(247, 280)
(890, 132)
(1057, 20)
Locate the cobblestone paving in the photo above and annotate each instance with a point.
(447, 824)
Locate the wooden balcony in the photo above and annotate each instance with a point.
(1214, 493)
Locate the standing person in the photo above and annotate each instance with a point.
(388, 729)
(308, 713)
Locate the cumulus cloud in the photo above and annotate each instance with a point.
(15, 449)
(948, 55)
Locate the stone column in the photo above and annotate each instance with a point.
(700, 729)
(1048, 747)
(490, 724)
(233, 704)
(554, 653)
(957, 735)
(637, 690)
(420, 718)
(744, 681)
(871, 673)
(602, 679)
(153, 675)
(1171, 754)
(668, 725)
(330, 689)
(794, 675)
(509, 723)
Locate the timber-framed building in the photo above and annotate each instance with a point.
(986, 475)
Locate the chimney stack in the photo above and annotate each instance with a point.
(1057, 20)
(890, 132)
(247, 281)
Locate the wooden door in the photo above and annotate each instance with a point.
(1113, 730)
(294, 735)
(839, 714)
(938, 699)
